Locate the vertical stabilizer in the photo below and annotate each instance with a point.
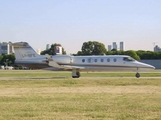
(24, 51)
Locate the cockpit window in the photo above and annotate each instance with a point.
(128, 59)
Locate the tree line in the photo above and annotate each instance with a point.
(97, 48)
(90, 48)
(8, 60)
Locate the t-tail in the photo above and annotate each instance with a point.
(24, 51)
(28, 57)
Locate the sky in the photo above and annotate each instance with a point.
(72, 22)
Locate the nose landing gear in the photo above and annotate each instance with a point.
(137, 75)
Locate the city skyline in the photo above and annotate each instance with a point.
(70, 23)
(114, 45)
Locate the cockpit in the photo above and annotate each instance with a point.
(128, 59)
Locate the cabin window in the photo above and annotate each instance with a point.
(102, 60)
(90, 60)
(83, 60)
(108, 60)
(95, 60)
(114, 59)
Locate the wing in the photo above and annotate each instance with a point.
(73, 67)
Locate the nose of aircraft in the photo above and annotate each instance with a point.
(141, 65)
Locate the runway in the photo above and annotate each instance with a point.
(81, 78)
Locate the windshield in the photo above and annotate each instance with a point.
(128, 59)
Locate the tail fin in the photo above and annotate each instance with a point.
(24, 51)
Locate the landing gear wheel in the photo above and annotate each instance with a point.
(78, 74)
(137, 75)
(75, 74)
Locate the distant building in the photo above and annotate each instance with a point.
(114, 45)
(109, 47)
(157, 48)
(5, 48)
(47, 46)
(121, 45)
(39, 51)
(58, 50)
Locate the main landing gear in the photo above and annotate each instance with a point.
(75, 73)
(137, 75)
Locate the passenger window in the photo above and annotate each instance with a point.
(83, 60)
(108, 60)
(90, 60)
(102, 60)
(95, 60)
(114, 59)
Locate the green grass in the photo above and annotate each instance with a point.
(81, 106)
(27, 95)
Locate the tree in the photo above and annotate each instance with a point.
(93, 48)
(148, 54)
(52, 50)
(133, 54)
(141, 53)
(114, 49)
(79, 53)
(7, 59)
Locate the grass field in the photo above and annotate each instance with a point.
(46, 95)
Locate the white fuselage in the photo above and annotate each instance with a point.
(89, 63)
(109, 62)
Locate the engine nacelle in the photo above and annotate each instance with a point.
(62, 59)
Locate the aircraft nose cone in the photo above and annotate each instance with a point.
(150, 66)
(145, 66)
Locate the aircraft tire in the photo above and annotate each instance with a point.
(78, 74)
(75, 76)
(137, 75)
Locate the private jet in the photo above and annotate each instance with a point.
(26, 56)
